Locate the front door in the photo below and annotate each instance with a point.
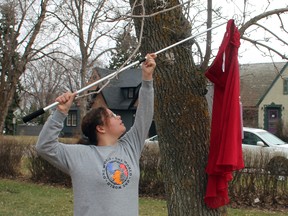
(273, 119)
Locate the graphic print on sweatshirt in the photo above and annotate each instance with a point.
(116, 172)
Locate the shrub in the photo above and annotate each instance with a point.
(11, 153)
(150, 182)
(151, 179)
(43, 171)
(258, 185)
(256, 160)
(253, 186)
(278, 165)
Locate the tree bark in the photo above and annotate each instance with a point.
(181, 110)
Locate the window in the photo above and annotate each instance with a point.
(72, 119)
(92, 94)
(285, 86)
(130, 93)
(250, 138)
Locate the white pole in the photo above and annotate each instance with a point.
(43, 110)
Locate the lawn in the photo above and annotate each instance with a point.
(28, 199)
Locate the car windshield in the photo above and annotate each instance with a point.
(270, 138)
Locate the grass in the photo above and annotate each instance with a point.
(23, 198)
(20, 198)
(253, 212)
(152, 207)
(28, 199)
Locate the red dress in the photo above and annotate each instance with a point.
(225, 152)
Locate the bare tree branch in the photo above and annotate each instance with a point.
(257, 43)
(272, 33)
(255, 19)
(36, 30)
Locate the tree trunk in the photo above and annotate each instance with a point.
(181, 110)
(6, 100)
(83, 71)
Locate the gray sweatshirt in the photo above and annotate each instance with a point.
(105, 179)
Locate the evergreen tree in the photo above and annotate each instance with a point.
(8, 61)
(9, 126)
(125, 46)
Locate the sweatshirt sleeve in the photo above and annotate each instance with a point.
(144, 115)
(48, 145)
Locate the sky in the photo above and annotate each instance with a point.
(229, 9)
(233, 9)
(247, 52)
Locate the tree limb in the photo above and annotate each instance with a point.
(256, 43)
(255, 19)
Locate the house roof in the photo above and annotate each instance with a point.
(256, 80)
(113, 93)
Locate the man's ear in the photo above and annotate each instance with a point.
(100, 129)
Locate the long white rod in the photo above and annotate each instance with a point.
(42, 110)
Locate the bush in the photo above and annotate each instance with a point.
(258, 186)
(278, 166)
(151, 179)
(255, 186)
(11, 153)
(43, 171)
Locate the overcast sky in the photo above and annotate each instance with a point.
(248, 53)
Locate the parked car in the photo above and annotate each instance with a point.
(152, 140)
(263, 149)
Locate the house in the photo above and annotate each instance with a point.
(120, 95)
(72, 123)
(264, 95)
